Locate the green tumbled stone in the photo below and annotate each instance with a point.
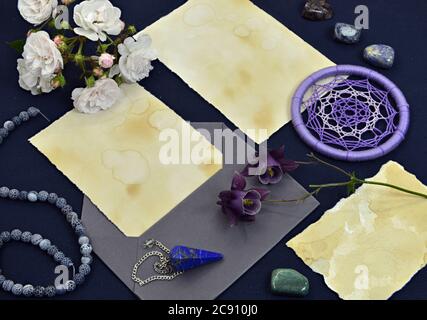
(289, 282)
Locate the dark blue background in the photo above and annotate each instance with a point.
(401, 24)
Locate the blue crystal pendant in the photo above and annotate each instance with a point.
(184, 258)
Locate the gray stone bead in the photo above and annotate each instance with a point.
(16, 234)
(36, 239)
(42, 196)
(1, 243)
(74, 222)
(380, 55)
(9, 125)
(5, 236)
(58, 256)
(52, 198)
(66, 262)
(3, 133)
(52, 250)
(23, 195)
(87, 259)
(61, 202)
(50, 291)
(44, 244)
(32, 111)
(39, 291)
(86, 249)
(26, 236)
(71, 215)
(17, 121)
(80, 230)
(28, 290)
(67, 209)
(32, 196)
(79, 278)
(7, 285)
(4, 192)
(13, 194)
(17, 289)
(24, 116)
(70, 285)
(2, 279)
(84, 269)
(83, 240)
(60, 290)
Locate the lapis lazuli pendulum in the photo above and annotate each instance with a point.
(184, 258)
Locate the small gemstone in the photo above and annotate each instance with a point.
(380, 55)
(317, 10)
(184, 258)
(13, 194)
(28, 290)
(26, 236)
(4, 192)
(9, 125)
(4, 133)
(17, 289)
(17, 121)
(24, 116)
(33, 111)
(42, 196)
(16, 234)
(289, 282)
(52, 198)
(36, 239)
(347, 33)
(79, 278)
(32, 196)
(23, 195)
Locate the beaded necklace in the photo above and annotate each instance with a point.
(35, 239)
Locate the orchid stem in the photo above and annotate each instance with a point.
(394, 187)
(330, 165)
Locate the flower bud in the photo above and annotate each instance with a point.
(98, 72)
(132, 29)
(59, 40)
(106, 60)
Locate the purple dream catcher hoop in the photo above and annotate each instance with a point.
(353, 113)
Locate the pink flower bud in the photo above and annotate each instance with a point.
(106, 60)
(59, 40)
(98, 72)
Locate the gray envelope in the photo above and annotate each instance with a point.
(198, 222)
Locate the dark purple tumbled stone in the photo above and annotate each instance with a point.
(317, 10)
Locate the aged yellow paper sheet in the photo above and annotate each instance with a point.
(114, 158)
(239, 58)
(372, 243)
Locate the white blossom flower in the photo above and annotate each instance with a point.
(32, 80)
(96, 19)
(36, 11)
(101, 96)
(41, 55)
(136, 57)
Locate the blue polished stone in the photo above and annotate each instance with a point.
(380, 55)
(183, 258)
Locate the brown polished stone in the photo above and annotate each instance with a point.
(317, 10)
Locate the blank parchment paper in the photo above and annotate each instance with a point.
(198, 222)
(237, 57)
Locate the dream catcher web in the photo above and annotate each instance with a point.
(352, 113)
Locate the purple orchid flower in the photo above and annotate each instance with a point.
(241, 204)
(275, 167)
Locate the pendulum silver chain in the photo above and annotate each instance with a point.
(161, 267)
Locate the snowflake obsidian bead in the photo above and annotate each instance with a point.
(13, 194)
(9, 125)
(5, 236)
(3, 133)
(87, 259)
(23, 195)
(61, 202)
(4, 192)
(17, 121)
(7, 285)
(2, 279)
(84, 269)
(58, 256)
(52, 198)
(67, 209)
(44, 244)
(32, 196)
(17, 289)
(42, 196)
(28, 290)
(16, 234)
(24, 116)
(79, 278)
(52, 250)
(79, 229)
(36, 239)
(83, 240)
(86, 249)
(70, 285)
(50, 291)
(39, 291)
(66, 262)
(26, 236)
(32, 111)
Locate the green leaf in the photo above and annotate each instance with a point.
(18, 45)
(90, 82)
(62, 81)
